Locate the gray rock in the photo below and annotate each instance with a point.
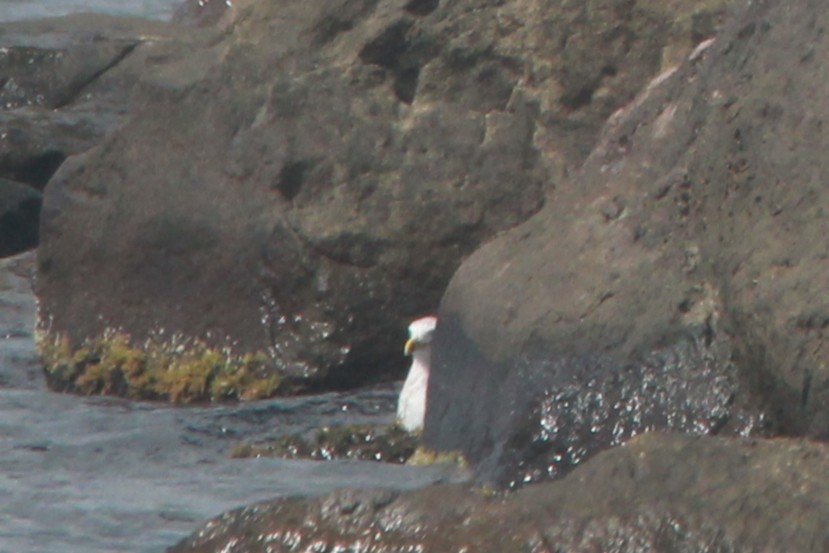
(308, 183)
(676, 283)
(657, 494)
(66, 82)
(36, 141)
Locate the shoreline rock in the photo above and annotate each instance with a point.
(675, 284)
(306, 196)
(656, 494)
(68, 81)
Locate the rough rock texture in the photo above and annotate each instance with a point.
(685, 261)
(657, 494)
(19, 217)
(309, 183)
(65, 82)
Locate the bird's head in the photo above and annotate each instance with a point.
(420, 334)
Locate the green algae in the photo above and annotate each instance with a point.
(112, 365)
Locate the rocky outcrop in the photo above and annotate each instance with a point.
(64, 84)
(658, 494)
(676, 283)
(308, 183)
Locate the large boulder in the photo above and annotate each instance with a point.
(285, 200)
(657, 494)
(677, 282)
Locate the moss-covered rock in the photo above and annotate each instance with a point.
(158, 370)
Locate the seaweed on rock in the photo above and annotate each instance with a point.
(159, 370)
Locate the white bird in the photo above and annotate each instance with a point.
(411, 407)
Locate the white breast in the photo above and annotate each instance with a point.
(411, 407)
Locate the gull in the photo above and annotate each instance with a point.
(411, 407)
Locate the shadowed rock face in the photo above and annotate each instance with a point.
(19, 214)
(677, 282)
(308, 183)
(657, 494)
(548, 412)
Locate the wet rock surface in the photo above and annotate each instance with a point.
(675, 283)
(387, 444)
(335, 178)
(657, 494)
(548, 414)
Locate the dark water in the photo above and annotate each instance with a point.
(104, 475)
(14, 10)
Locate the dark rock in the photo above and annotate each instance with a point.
(677, 282)
(53, 76)
(548, 411)
(36, 141)
(307, 184)
(66, 82)
(657, 494)
(19, 217)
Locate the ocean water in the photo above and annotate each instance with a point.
(96, 475)
(15, 10)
